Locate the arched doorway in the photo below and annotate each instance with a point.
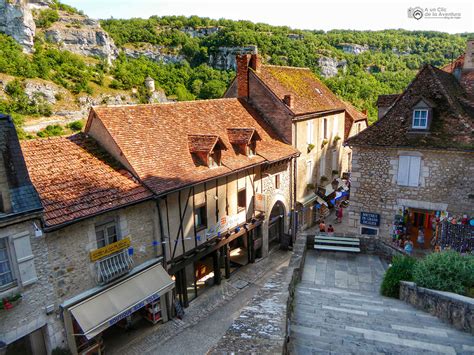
(276, 225)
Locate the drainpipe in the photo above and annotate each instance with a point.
(162, 235)
(295, 177)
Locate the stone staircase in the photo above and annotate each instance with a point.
(336, 243)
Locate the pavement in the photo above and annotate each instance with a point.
(338, 310)
(207, 318)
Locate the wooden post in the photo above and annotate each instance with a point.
(227, 261)
(217, 268)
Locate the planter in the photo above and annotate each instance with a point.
(310, 147)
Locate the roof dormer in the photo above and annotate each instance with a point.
(422, 115)
(206, 149)
(244, 140)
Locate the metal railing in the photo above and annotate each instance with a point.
(113, 266)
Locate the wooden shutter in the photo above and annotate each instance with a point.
(403, 170)
(25, 258)
(309, 172)
(414, 176)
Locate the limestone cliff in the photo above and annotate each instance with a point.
(224, 58)
(16, 20)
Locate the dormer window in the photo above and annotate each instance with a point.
(420, 119)
(244, 140)
(206, 149)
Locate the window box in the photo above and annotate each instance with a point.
(324, 142)
(336, 139)
(310, 147)
(10, 302)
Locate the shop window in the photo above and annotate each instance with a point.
(408, 170)
(420, 119)
(277, 181)
(200, 217)
(106, 234)
(309, 132)
(6, 274)
(241, 200)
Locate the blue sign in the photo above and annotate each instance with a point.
(370, 219)
(133, 309)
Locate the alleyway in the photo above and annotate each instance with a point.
(339, 310)
(207, 318)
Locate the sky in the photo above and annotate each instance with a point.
(316, 14)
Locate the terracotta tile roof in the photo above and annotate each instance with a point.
(309, 93)
(241, 135)
(352, 115)
(457, 63)
(75, 178)
(203, 143)
(452, 126)
(153, 139)
(386, 100)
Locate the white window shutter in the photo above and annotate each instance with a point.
(309, 172)
(335, 127)
(309, 132)
(403, 170)
(25, 258)
(414, 177)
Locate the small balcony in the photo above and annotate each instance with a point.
(113, 266)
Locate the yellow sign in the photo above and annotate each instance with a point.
(109, 249)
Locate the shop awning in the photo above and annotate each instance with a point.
(100, 311)
(308, 199)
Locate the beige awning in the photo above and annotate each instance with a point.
(100, 311)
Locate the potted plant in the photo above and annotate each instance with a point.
(323, 179)
(324, 142)
(310, 187)
(310, 147)
(335, 172)
(336, 139)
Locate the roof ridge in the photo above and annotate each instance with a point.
(285, 67)
(168, 103)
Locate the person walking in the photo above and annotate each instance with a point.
(421, 238)
(339, 214)
(330, 230)
(322, 227)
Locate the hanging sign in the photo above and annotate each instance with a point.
(260, 202)
(370, 219)
(109, 249)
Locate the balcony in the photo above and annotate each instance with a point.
(113, 266)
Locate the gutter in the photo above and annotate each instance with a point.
(307, 116)
(441, 149)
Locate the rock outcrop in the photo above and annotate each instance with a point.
(200, 31)
(329, 67)
(82, 35)
(224, 58)
(16, 20)
(155, 53)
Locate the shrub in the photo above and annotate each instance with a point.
(400, 270)
(447, 271)
(46, 18)
(51, 131)
(75, 126)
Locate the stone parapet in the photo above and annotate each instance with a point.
(450, 307)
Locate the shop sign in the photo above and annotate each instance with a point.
(260, 202)
(133, 309)
(225, 223)
(109, 249)
(370, 219)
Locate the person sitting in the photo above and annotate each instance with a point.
(331, 230)
(322, 227)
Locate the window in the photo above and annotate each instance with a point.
(214, 159)
(420, 119)
(251, 149)
(322, 165)
(200, 217)
(325, 128)
(277, 181)
(106, 234)
(241, 200)
(6, 275)
(408, 170)
(309, 172)
(309, 132)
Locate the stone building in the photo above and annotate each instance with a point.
(23, 254)
(100, 242)
(307, 115)
(221, 178)
(417, 161)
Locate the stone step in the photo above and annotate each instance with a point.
(335, 248)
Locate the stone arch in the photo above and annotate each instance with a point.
(276, 221)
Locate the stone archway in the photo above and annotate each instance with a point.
(276, 224)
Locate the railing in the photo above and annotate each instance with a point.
(113, 266)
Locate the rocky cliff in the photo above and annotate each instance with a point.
(16, 20)
(224, 58)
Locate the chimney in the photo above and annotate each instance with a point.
(469, 56)
(242, 75)
(255, 62)
(289, 100)
(364, 111)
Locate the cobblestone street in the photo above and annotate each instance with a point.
(207, 318)
(338, 310)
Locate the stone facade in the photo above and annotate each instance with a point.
(445, 184)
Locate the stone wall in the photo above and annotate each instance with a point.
(452, 308)
(446, 182)
(30, 314)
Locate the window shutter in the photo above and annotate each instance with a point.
(335, 127)
(309, 132)
(309, 172)
(414, 176)
(403, 170)
(25, 258)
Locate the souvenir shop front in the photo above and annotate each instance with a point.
(219, 257)
(95, 317)
(420, 226)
